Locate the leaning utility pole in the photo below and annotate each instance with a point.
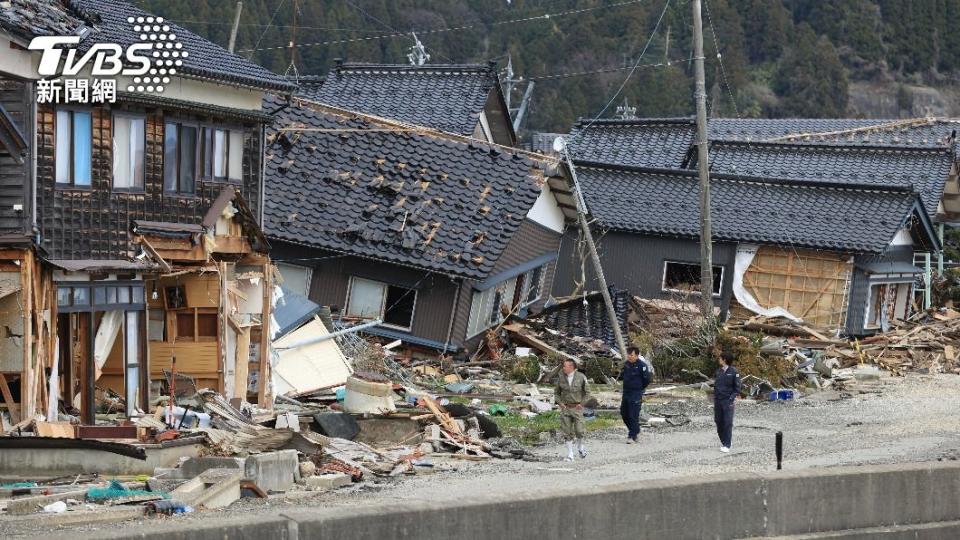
(561, 145)
(236, 26)
(703, 166)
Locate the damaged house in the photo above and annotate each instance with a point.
(836, 255)
(436, 235)
(130, 224)
(918, 152)
(464, 99)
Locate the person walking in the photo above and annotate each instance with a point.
(635, 376)
(726, 389)
(571, 392)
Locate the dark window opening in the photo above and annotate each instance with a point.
(180, 158)
(685, 277)
(185, 326)
(206, 325)
(495, 307)
(400, 305)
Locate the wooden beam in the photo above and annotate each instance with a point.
(28, 398)
(8, 400)
(242, 372)
(263, 397)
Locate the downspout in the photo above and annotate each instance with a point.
(453, 315)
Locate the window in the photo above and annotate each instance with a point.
(196, 325)
(222, 153)
(128, 135)
(685, 277)
(296, 278)
(486, 309)
(532, 284)
(179, 158)
(74, 148)
(391, 303)
(131, 355)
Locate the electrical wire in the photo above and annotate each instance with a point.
(606, 70)
(723, 72)
(633, 70)
(397, 33)
(267, 29)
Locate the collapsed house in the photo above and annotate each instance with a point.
(436, 236)
(836, 255)
(132, 244)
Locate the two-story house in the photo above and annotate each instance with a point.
(131, 213)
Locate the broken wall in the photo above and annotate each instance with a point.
(11, 323)
(811, 285)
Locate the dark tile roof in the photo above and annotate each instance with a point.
(651, 142)
(853, 218)
(425, 199)
(664, 142)
(27, 19)
(447, 97)
(108, 20)
(924, 170)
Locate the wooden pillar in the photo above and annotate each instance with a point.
(88, 390)
(264, 399)
(222, 314)
(144, 370)
(242, 374)
(28, 383)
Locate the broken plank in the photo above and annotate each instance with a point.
(8, 399)
(516, 333)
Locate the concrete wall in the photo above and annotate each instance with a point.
(917, 500)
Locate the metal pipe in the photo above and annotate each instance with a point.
(321, 339)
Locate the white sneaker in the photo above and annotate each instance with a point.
(583, 453)
(569, 458)
(724, 449)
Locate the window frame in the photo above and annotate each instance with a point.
(197, 161)
(383, 302)
(525, 291)
(113, 133)
(72, 184)
(202, 166)
(718, 282)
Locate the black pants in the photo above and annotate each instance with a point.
(723, 416)
(630, 413)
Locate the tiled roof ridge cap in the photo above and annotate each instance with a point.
(425, 130)
(876, 148)
(757, 180)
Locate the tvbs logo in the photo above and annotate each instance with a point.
(149, 62)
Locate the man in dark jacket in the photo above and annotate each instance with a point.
(726, 389)
(635, 376)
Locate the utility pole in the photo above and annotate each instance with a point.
(560, 145)
(236, 26)
(703, 166)
(509, 81)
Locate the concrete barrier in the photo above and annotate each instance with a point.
(918, 500)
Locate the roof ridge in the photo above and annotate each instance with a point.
(678, 120)
(340, 66)
(834, 147)
(426, 130)
(759, 180)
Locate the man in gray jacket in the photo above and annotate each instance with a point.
(571, 393)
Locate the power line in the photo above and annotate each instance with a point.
(606, 70)
(267, 29)
(388, 27)
(633, 70)
(397, 33)
(723, 72)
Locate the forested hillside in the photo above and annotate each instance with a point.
(778, 58)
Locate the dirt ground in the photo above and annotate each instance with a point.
(902, 420)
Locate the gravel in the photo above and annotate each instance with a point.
(896, 420)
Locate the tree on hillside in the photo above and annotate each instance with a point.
(811, 80)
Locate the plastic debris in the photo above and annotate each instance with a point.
(55, 508)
